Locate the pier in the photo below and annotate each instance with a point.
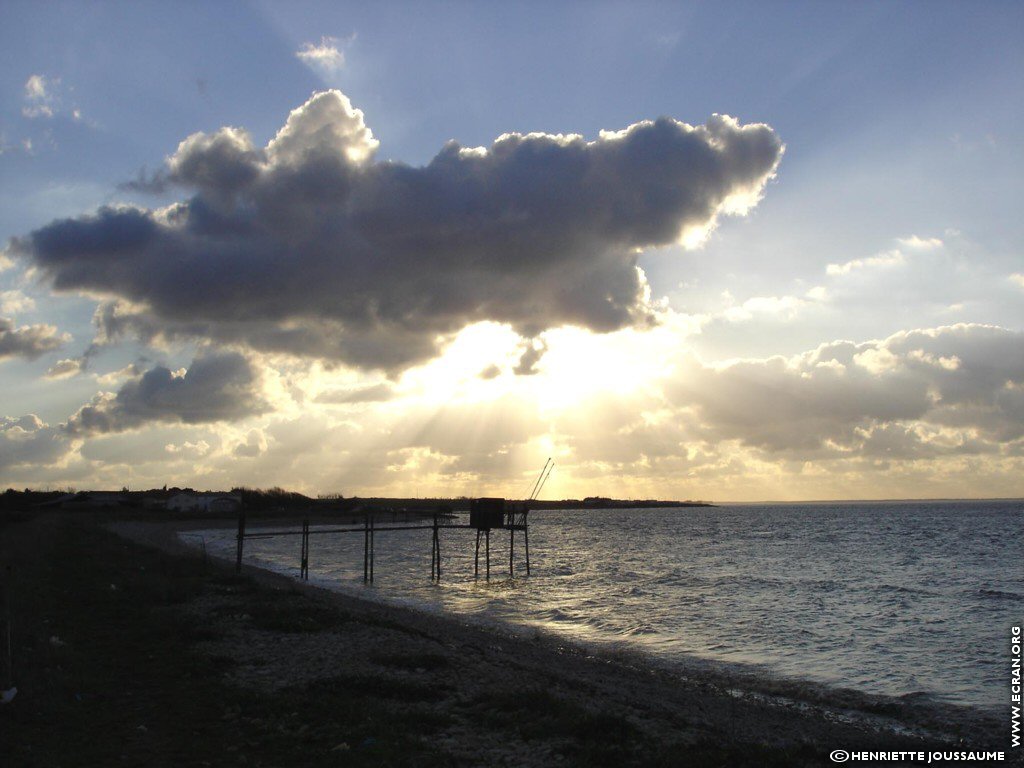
(485, 515)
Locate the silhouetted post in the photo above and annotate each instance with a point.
(511, 549)
(366, 548)
(476, 557)
(526, 542)
(435, 552)
(304, 564)
(241, 541)
(437, 535)
(373, 524)
(487, 551)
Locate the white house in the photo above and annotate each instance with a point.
(214, 503)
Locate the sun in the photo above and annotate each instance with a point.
(478, 365)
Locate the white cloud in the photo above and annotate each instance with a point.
(326, 56)
(198, 448)
(255, 444)
(40, 96)
(964, 377)
(782, 307)
(64, 369)
(130, 371)
(44, 97)
(920, 244)
(29, 341)
(881, 261)
(1017, 279)
(15, 302)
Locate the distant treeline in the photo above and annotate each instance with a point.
(279, 499)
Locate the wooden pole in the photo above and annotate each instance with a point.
(487, 547)
(476, 557)
(241, 541)
(511, 549)
(304, 565)
(373, 524)
(366, 548)
(526, 541)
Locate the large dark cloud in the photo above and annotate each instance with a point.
(28, 341)
(309, 246)
(217, 387)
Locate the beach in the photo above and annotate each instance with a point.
(259, 669)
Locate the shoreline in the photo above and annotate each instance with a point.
(913, 716)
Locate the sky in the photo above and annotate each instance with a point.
(725, 251)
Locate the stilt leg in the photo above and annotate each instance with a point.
(526, 541)
(476, 557)
(366, 549)
(241, 542)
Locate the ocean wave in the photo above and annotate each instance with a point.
(998, 594)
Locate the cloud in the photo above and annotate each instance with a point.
(64, 369)
(527, 365)
(375, 393)
(255, 444)
(888, 259)
(962, 383)
(216, 387)
(188, 448)
(783, 307)
(309, 246)
(130, 371)
(29, 441)
(492, 371)
(39, 96)
(44, 98)
(15, 302)
(325, 57)
(1017, 279)
(28, 341)
(920, 243)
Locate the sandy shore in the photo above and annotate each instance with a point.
(468, 664)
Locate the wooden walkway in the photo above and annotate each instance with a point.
(510, 517)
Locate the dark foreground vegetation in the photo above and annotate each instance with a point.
(126, 655)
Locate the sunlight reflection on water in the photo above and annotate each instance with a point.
(883, 598)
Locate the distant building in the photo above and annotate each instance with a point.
(212, 503)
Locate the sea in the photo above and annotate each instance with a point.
(896, 599)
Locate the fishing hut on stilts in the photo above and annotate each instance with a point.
(485, 515)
